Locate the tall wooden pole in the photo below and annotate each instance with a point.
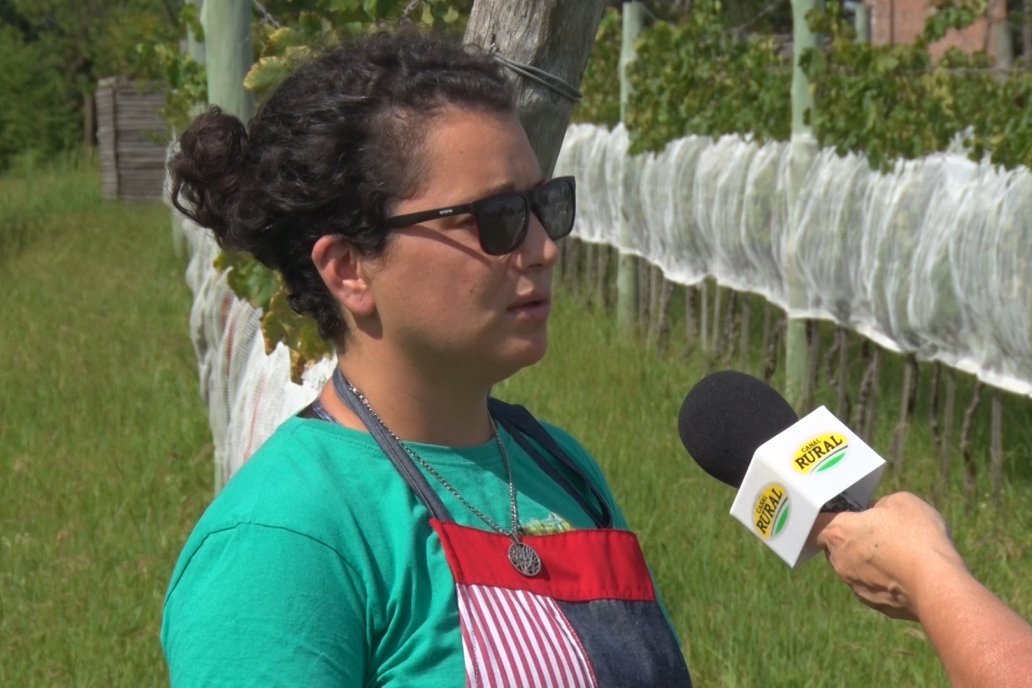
(1004, 47)
(1026, 31)
(627, 266)
(862, 23)
(193, 45)
(228, 55)
(227, 58)
(803, 147)
(802, 40)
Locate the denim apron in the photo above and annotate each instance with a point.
(589, 618)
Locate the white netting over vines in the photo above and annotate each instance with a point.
(248, 392)
(934, 258)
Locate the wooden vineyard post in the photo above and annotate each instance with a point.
(908, 400)
(626, 269)
(228, 55)
(996, 446)
(803, 147)
(743, 336)
(946, 448)
(546, 44)
(970, 467)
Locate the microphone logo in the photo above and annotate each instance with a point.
(771, 510)
(820, 453)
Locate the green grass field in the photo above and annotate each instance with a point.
(104, 448)
(105, 463)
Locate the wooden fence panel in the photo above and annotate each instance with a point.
(131, 140)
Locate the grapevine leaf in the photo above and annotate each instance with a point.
(299, 333)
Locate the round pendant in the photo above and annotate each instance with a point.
(524, 559)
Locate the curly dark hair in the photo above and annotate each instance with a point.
(337, 140)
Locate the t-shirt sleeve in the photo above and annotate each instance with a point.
(265, 606)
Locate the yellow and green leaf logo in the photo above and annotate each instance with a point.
(820, 453)
(771, 510)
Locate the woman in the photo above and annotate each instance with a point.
(405, 529)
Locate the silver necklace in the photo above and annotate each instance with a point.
(521, 555)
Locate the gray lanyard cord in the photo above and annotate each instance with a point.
(392, 448)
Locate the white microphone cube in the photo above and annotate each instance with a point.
(795, 473)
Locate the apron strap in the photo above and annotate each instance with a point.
(316, 411)
(519, 423)
(392, 448)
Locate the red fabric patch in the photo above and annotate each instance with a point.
(576, 566)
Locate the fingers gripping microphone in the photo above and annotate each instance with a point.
(787, 470)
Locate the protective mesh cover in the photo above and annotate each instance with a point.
(933, 258)
(248, 391)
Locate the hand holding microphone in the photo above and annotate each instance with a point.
(886, 553)
(899, 559)
(787, 470)
(897, 556)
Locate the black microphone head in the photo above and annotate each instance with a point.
(725, 417)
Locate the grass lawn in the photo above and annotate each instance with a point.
(104, 447)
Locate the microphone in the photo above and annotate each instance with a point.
(787, 470)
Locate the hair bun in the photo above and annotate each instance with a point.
(206, 173)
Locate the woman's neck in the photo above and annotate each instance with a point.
(415, 405)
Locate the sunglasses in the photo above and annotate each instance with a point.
(503, 219)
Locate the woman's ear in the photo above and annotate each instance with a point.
(342, 269)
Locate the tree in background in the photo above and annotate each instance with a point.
(37, 112)
(55, 51)
(745, 15)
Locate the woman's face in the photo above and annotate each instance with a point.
(440, 300)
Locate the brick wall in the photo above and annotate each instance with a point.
(901, 21)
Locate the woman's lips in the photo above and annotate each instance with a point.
(534, 308)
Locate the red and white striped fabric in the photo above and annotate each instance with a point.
(588, 619)
(515, 637)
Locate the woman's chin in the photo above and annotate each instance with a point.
(528, 354)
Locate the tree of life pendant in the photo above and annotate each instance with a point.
(524, 559)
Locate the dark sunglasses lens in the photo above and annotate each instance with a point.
(554, 206)
(501, 222)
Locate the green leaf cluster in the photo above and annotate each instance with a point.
(264, 289)
(600, 84)
(700, 75)
(697, 76)
(185, 81)
(892, 102)
(53, 53)
(296, 29)
(950, 14)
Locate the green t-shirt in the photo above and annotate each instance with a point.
(317, 565)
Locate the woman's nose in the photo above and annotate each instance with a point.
(538, 250)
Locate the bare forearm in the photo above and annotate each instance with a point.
(980, 640)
